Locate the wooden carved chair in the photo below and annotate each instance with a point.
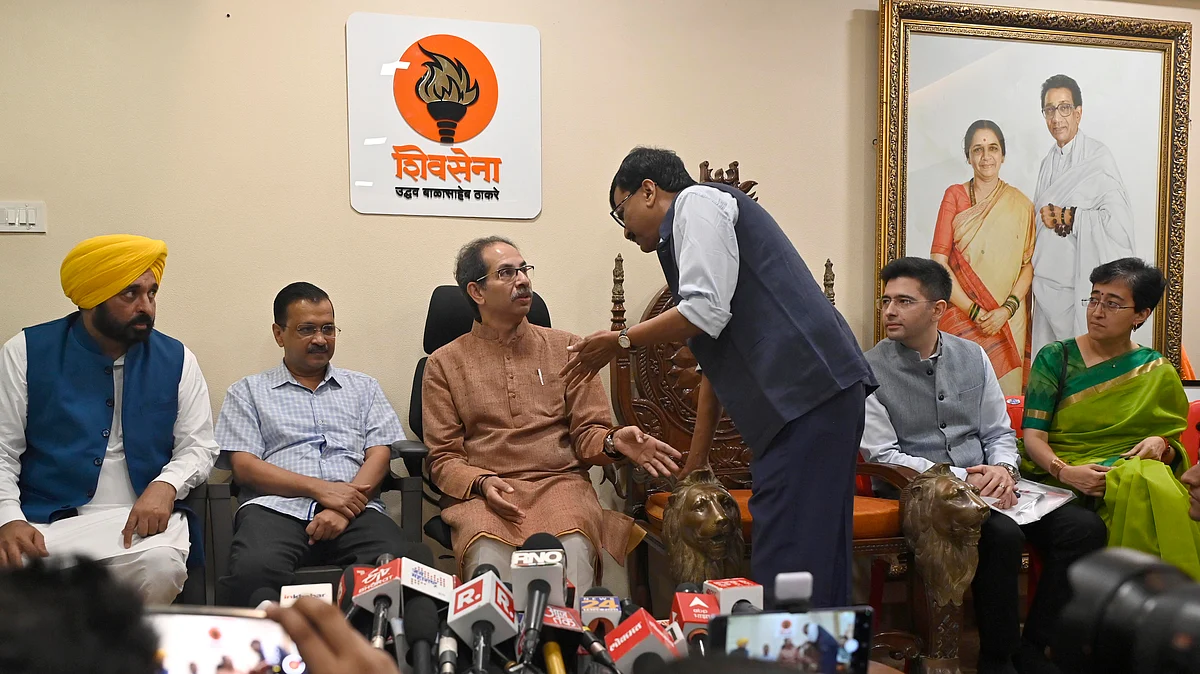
(656, 389)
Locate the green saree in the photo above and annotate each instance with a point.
(1104, 411)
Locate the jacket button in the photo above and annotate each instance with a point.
(942, 425)
(98, 461)
(107, 370)
(109, 402)
(91, 493)
(929, 371)
(104, 432)
(941, 396)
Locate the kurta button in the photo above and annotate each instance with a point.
(942, 425)
(104, 432)
(929, 371)
(107, 370)
(109, 402)
(98, 461)
(512, 395)
(941, 396)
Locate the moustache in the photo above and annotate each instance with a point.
(521, 292)
(318, 348)
(142, 319)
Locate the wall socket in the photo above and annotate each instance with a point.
(22, 216)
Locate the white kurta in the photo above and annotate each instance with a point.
(96, 530)
(1083, 174)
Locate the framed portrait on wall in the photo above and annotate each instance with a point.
(1022, 148)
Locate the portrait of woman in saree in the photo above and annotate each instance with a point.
(1103, 417)
(984, 236)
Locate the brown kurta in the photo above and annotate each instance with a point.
(486, 410)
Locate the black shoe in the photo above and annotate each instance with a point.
(1031, 659)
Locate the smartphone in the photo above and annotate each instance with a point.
(824, 641)
(206, 640)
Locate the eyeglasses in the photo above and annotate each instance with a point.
(509, 274)
(328, 331)
(613, 212)
(902, 303)
(1091, 303)
(1063, 110)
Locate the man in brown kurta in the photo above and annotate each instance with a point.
(510, 443)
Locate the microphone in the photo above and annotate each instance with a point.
(447, 650)
(648, 663)
(541, 556)
(482, 612)
(347, 585)
(553, 656)
(377, 590)
(692, 611)
(264, 596)
(595, 645)
(420, 577)
(628, 608)
(636, 636)
(420, 629)
(793, 591)
(600, 610)
(537, 573)
(742, 593)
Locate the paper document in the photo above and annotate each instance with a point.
(1034, 501)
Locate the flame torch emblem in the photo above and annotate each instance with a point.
(451, 96)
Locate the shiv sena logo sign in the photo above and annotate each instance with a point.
(452, 97)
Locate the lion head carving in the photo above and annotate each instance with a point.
(942, 516)
(702, 529)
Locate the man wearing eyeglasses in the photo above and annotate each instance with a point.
(774, 351)
(1085, 216)
(511, 441)
(309, 445)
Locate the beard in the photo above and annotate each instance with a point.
(125, 333)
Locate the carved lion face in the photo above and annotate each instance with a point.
(942, 516)
(702, 528)
(956, 509)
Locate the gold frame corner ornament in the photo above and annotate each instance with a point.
(898, 19)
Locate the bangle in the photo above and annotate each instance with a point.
(1170, 450)
(1071, 210)
(1056, 467)
(973, 312)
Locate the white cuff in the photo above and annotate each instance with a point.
(10, 511)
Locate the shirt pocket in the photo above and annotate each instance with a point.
(544, 394)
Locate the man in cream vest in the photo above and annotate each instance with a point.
(939, 402)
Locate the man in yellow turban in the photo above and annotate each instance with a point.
(105, 425)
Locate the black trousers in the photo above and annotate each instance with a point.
(269, 546)
(1060, 538)
(803, 500)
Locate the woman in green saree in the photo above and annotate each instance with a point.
(1103, 417)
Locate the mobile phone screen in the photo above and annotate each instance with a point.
(831, 641)
(207, 641)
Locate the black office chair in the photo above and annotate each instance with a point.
(196, 587)
(221, 508)
(449, 317)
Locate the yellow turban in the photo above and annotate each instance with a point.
(102, 266)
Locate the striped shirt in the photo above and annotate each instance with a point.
(321, 434)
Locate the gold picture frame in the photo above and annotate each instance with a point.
(952, 28)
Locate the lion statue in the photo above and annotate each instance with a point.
(702, 529)
(942, 516)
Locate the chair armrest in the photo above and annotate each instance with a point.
(413, 454)
(897, 476)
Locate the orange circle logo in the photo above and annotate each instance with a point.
(448, 92)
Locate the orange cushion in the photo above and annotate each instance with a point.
(873, 517)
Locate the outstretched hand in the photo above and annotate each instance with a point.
(655, 456)
(589, 356)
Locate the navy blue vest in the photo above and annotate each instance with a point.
(786, 349)
(70, 387)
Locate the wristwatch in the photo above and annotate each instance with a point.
(1012, 471)
(623, 339)
(610, 447)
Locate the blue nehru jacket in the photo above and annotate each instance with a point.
(786, 349)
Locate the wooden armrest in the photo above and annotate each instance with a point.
(897, 476)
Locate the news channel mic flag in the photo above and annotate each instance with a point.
(774, 352)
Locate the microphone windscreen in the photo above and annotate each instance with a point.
(485, 568)
(420, 553)
(628, 608)
(598, 591)
(420, 620)
(648, 663)
(542, 541)
(688, 588)
(264, 594)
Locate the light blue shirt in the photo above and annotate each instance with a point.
(706, 252)
(322, 434)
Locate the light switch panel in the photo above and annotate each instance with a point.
(22, 216)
